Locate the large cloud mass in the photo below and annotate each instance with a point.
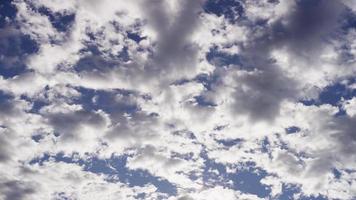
(177, 99)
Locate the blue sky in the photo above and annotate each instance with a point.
(178, 99)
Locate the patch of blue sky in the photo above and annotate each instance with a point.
(204, 102)
(230, 142)
(62, 22)
(232, 10)
(36, 104)
(186, 156)
(106, 100)
(288, 192)
(208, 80)
(115, 169)
(90, 47)
(265, 143)
(291, 192)
(222, 59)
(135, 36)
(349, 21)
(5, 96)
(97, 61)
(215, 174)
(246, 179)
(37, 137)
(94, 62)
(7, 12)
(292, 130)
(13, 47)
(124, 55)
(334, 94)
(249, 181)
(61, 196)
(9, 72)
(337, 174)
(13, 50)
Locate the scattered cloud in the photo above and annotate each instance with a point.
(178, 100)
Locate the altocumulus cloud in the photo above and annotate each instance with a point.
(177, 99)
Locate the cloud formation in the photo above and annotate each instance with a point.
(177, 99)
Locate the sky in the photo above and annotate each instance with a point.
(178, 99)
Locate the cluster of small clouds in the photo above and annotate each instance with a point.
(183, 89)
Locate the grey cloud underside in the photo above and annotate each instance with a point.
(266, 91)
(305, 29)
(4, 153)
(344, 131)
(303, 32)
(173, 54)
(15, 48)
(67, 124)
(178, 100)
(173, 46)
(16, 190)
